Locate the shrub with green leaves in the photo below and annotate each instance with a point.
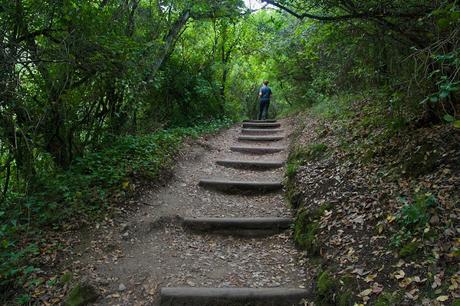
(416, 214)
(412, 219)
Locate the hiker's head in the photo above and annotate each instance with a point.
(266, 82)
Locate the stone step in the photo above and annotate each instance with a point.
(238, 226)
(261, 131)
(232, 296)
(257, 150)
(260, 138)
(251, 164)
(234, 186)
(261, 125)
(260, 121)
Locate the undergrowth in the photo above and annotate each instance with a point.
(87, 191)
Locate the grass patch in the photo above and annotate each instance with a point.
(291, 170)
(326, 286)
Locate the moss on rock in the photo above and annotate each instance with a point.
(306, 228)
(294, 198)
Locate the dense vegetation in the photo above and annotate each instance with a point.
(86, 84)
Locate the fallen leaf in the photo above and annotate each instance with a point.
(370, 278)
(391, 218)
(377, 288)
(442, 298)
(399, 274)
(365, 292)
(405, 282)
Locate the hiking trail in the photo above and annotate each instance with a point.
(216, 234)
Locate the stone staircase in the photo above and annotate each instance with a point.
(251, 157)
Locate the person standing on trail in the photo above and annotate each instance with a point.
(265, 93)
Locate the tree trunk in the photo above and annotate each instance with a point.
(169, 41)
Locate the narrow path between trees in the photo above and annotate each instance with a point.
(222, 222)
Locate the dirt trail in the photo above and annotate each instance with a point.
(151, 250)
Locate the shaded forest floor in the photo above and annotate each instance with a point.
(378, 210)
(125, 259)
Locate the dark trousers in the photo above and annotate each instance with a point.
(263, 109)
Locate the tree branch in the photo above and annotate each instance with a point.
(357, 15)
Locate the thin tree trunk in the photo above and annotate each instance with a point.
(169, 41)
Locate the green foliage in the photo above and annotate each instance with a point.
(413, 219)
(326, 288)
(305, 230)
(291, 170)
(417, 214)
(86, 111)
(13, 265)
(325, 284)
(335, 107)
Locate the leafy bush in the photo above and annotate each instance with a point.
(413, 218)
(417, 214)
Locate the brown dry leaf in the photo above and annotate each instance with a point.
(399, 264)
(358, 271)
(391, 218)
(437, 281)
(370, 278)
(377, 288)
(410, 296)
(365, 292)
